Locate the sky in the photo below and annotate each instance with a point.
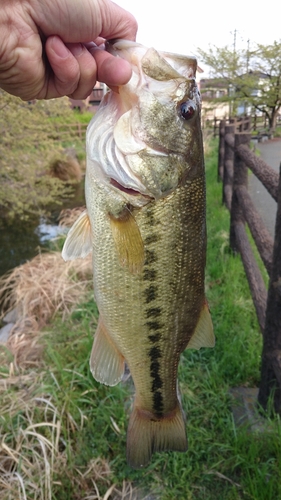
(183, 25)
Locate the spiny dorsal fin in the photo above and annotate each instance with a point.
(156, 67)
(204, 333)
(128, 241)
(78, 242)
(106, 363)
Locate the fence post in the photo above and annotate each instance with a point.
(215, 126)
(238, 237)
(247, 123)
(79, 130)
(271, 355)
(240, 178)
(221, 150)
(228, 165)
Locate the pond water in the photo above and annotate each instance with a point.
(21, 241)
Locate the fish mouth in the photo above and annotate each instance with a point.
(129, 191)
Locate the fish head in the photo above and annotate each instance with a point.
(151, 143)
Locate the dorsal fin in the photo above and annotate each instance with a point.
(155, 66)
(204, 333)
(78, 242)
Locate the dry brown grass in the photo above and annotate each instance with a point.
(68, 216)
(38, 290)
(34, 452)
(45, 285)
(66, 168)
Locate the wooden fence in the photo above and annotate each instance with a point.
(235, 158)
(66, 130)
(257, 124)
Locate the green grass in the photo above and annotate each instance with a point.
(223, 462)
(71, 139)
(277, 132)
(74, 117)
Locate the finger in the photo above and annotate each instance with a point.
(64, 74)
(74, 24)
(87, 68)
(100, 42)
(117, 23)
(111, 70)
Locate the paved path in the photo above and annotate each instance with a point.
(270, 152)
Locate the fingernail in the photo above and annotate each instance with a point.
(93, 49)
(90, 45)
(76, 49)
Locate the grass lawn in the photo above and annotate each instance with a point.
(64, 435)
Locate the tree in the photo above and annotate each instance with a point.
(28, 144)
(251, 76)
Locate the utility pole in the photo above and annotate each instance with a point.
(234, 41)
(248, 56)
(234, 33)
(231, 87)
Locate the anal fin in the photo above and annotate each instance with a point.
(106, 363)
(204, 333)
(148, 434)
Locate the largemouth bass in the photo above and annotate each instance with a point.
(145, 223)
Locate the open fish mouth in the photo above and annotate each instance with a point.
(118, 155)
(135, 155)
(131, 192)
(128, 191)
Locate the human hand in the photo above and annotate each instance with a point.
(51, 48)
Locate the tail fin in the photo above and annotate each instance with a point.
(148, 434)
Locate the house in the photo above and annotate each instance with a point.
(212, 89)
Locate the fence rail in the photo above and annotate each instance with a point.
(71, 130)
(258, 125)
(235, 158)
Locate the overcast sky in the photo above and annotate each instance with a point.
(183, 25)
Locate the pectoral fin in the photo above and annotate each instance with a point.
(106, 363)
(128, 241)
(204, 333)
(78, 242)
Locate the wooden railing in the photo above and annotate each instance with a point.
(257, 124)
(235, 157)
(71, 130)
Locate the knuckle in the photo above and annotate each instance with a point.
(80, 93)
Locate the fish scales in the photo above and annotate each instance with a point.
(149, 246)
(162, 303)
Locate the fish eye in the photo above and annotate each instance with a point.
(187, 109)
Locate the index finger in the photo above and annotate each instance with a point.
(117, 22)
(111, 70)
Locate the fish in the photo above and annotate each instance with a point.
(145, 224)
